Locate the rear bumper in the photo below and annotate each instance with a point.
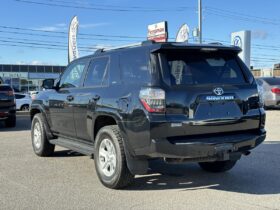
(203, 149)
(5, 113)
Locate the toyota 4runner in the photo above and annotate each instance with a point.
(126, 106)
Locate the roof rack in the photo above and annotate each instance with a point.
(216, 43)
(144, 43)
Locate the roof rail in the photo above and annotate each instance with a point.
(144, 43)
(216, 43)
(99, 51)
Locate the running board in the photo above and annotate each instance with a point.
(77, 146)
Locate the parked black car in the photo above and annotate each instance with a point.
(179, 102)
(7, 106)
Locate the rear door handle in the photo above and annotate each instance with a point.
(70, 98)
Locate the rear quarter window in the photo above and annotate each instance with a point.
(195, 68)
(272, 81)
(19, 96)
(134, 65)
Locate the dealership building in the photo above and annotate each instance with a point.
(24, 78)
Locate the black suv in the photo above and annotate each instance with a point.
(126, 106)
(7, 106)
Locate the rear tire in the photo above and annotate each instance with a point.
(40, 142)
(109, 158)
(11, 122)
(24, 107)
(218, 166)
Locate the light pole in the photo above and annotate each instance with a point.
(200, 20)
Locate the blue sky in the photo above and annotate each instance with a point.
(130, 18)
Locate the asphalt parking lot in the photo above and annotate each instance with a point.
(68, 180)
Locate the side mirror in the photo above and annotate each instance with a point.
(48, 84)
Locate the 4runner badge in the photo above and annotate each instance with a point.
(218, 91)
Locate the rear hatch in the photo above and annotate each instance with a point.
(7, 98)
(208, 91)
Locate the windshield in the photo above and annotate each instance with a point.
(194, 68)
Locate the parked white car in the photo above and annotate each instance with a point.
(23, 101)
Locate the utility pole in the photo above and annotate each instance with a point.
(200, 20)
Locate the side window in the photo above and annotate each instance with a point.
(135, 66)
(97, 72)
(19, 96)
(73, 74)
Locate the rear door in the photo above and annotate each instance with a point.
(90, 96)
(208, 92)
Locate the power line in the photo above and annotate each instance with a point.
(65, 44)
(243, 15)
(116, 6)
(65, 33)
(234, 16)
(59, 4)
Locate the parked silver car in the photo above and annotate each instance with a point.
(271, 91)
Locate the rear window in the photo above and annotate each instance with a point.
(5, 88)
(195, 68)
(272, 81)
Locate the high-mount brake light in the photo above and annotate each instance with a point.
(153, 99)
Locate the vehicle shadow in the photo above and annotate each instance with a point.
(23, 124)
(255, 174)
(66, 153)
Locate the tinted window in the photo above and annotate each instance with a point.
(134, 66)
(15, 68)
(32, 68)
(56, 69)
(40, 69)
(5, 88)
(73, 74)
(191, 68)
(6, 67)
(48, 69)
(272, 81)
(97, 73)
(24, 68)
(18, 96)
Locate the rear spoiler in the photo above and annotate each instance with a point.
(200, 47)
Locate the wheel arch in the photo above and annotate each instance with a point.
(24, 105)
(135, 165)
(38, 109)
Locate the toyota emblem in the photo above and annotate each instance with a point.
(218, 91)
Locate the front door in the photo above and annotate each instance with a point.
(61, 101)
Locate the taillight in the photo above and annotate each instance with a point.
(10, 93)
(153, 99)
(276, 91)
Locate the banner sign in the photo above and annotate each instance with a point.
(183, 34)
(72, 40)
(242, 39)
(158, 32)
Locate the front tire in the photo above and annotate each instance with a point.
(218, 166)
(40, 142)
(109, 158)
